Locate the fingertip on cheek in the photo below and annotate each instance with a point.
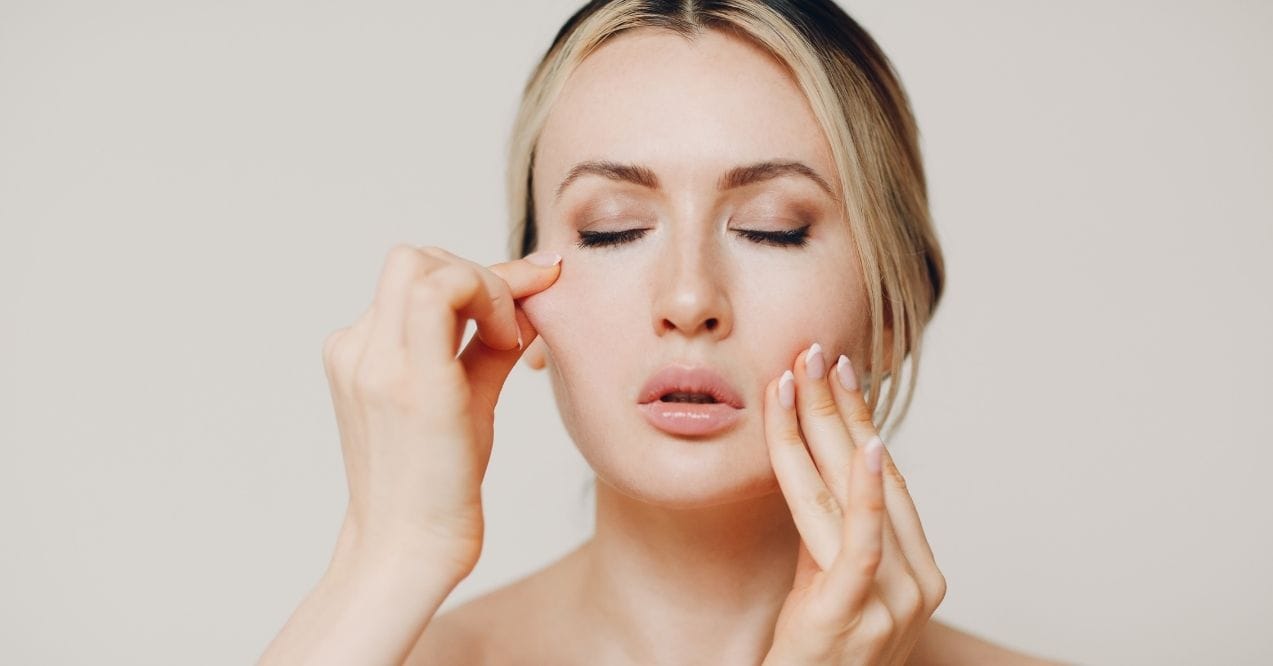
(787, 389)
(846, 374)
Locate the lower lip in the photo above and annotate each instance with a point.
(690, 418)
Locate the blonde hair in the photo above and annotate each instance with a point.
(864, 112)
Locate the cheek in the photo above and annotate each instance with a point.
(581, 313)
(792, 310)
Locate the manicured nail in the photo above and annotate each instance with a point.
(544, 258)
(519, 341)
(787, 389)
(814, 366)
(873, 452)
(844, 369)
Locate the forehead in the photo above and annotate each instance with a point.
(688, 108)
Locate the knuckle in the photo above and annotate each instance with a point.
(502, 293)
(823, 405)
(459, 278)
(939, 589)
(895, 475)
(860, 415)
(347, 353)
(911, 599)
(874, 503)
(824, 502)
(340, 355)
(435, 251)
(344, 361)
(789, 435)
(882, 626)
(402, 254)
(330, 342)
(868, 559)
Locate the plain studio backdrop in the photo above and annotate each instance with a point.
(193, 195)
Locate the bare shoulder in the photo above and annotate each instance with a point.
(514, 624)
(943, 645)
(471, 633)
(449, 638)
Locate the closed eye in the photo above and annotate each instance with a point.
(604, 238)
(792, 238)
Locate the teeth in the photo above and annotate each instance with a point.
(679, 396)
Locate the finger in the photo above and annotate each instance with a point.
(813, 507)
(852, 575)
(498, 330)
(820, 422)
(824, 429)
(410, 278)
(907, 529)
(343, 348)
(402, 265)
(487, 369)
(530, 274)
(342, 351)
(437, 306)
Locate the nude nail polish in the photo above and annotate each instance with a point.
(544, 258)
(844, 370)
(787, 389)
(814, 364)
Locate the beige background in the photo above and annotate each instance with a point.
(192, 195)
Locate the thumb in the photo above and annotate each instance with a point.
(529, 274)
(488, 368)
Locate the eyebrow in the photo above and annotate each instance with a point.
(734, 178)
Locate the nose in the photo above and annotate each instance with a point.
(691, 294)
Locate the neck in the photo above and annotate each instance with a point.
(666, 579)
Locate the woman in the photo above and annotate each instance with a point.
(729, 208)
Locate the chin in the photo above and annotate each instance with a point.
(651, 466)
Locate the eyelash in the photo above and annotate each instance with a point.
(793, 238)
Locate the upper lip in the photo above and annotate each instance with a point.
(690, 379)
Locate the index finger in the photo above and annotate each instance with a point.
(530, 274)
(901, 507)
(853, 572)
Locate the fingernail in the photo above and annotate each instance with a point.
(848, 378)
(544, 258)
(787, 389)
(814, 366)
(873, 453)
(519, 341)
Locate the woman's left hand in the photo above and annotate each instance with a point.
(866, 582)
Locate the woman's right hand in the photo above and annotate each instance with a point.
(415, 419)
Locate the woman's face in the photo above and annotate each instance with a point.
(692, 289)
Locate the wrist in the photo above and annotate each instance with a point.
(370, 606)
(412, 561)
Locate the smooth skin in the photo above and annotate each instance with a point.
(863, 589)
(416, 425)
(729, 551)
(416, 434)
